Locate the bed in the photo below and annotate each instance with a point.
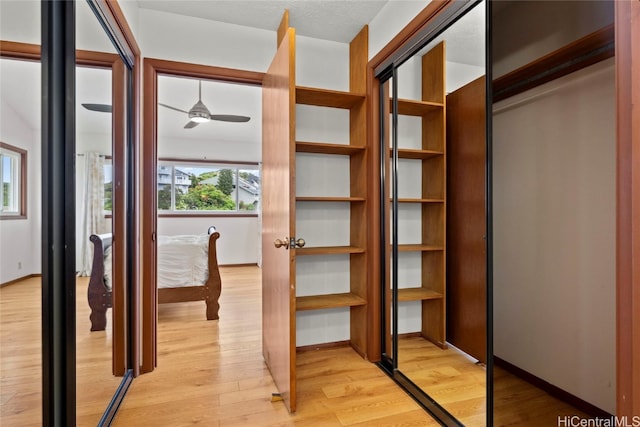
(187, 271)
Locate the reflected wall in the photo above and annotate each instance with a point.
(554, 168)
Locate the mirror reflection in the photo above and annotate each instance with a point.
(20, 293)
(554, 210)
(20, 220)
(95, 380)
(20, 299)
(435, 217)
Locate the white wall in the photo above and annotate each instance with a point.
(20, 238)
(391, 19)
(20, 21)
(554, 233)
(130, 11)
(237, 236)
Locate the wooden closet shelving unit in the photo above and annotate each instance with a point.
(355, 102)
(432, 247)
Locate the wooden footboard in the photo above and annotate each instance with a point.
(99, 295)
(209, 292)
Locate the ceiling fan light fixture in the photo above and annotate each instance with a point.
(198, 119)
(199, 113)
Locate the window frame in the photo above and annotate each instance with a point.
(22, 184)
(233, 165)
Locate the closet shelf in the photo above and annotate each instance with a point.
(417, 294)
(410, 107)
(326, 148)
(328, 199)
(406, 153)
(329, 250)
(327, 98)
(420, 248)
(407, 200)
(320, 302)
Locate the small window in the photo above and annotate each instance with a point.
(108, 187)
(13, 170)
(207, 188)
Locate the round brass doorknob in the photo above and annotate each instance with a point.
(279, 243)
(300, 243)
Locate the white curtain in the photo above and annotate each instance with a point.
(93, 221)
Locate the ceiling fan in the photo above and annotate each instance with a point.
(199, 113)
(101, 108)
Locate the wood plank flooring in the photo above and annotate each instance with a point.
(21, 357)
(449, 376)
(211, 373)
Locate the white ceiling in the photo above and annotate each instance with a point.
(337, 20)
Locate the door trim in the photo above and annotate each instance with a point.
(627, 57)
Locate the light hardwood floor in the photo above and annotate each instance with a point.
(449, 376)
(21, 358)
(212, 373)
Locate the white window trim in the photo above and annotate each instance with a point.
(19, 177)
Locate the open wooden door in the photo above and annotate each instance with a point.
(466, 220)
(278, 219)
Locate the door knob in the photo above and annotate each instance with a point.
(300, 243)
(279, 243)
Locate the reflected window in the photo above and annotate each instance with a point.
(108, 186)
(13, 170)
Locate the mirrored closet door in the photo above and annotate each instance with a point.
(432, 145)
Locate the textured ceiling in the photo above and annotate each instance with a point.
(337, 20)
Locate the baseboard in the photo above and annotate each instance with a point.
(323, 346)
(20, 279)
(553, 390)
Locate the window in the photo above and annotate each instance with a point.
(13, 170)
(108, 186)
(207, 188)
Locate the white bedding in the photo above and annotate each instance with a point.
(182, 261)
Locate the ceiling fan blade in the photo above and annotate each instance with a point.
(229, 118)
(101, 108)
(190, 124)
(172, 108)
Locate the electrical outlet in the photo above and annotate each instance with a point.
(19, 265)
